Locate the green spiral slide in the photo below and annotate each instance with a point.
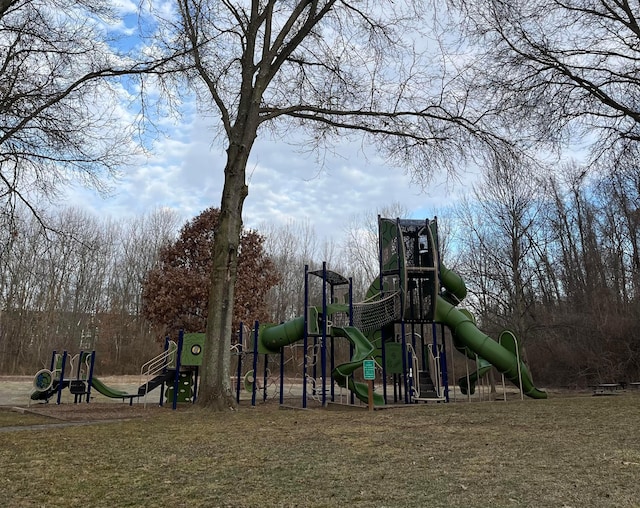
(362, 349)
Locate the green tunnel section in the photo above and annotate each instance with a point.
(455, 288)
(272, 337)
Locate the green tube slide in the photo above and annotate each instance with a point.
(485, 347)
(467, 335)
(272, 337)
(456, 290)
(362, 349)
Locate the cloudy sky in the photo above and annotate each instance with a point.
(185, 172)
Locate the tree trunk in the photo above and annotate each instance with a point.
(215, 386)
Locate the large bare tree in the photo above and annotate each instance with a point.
(563, 70)
(315, 70)
(64, 116)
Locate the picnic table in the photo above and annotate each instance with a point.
(608, 388)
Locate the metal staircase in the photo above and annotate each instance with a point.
(428, 385)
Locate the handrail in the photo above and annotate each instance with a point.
(415, 371)
(157, 365)
(434, 361)
(434, 371)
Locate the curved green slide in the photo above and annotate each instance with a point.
(112, 393)
(362, 349)
(462, 326)
(272, 337)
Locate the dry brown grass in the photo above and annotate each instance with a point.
(570, 451)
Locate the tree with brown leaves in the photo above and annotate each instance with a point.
(176, 292)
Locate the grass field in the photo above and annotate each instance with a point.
(561, 452)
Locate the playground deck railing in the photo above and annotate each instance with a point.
(157, 365)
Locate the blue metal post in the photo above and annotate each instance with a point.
(240, 354)
(255, 363)
(61, 381)
(90, 379)
(176, 378)
(323, 344)
(77, 397)
(305, 341)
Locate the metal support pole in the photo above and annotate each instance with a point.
(323, 343)
(61, 382)
(90, 379)
(254, 385)
(239, 370)
(305, 341)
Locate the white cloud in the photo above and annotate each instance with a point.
(185, 173)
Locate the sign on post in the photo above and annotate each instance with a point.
(369, 367)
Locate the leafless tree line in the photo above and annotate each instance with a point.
(79, 288)
(555, 258)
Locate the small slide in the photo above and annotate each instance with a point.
(112, 393)
(467, 334)
(362, 349)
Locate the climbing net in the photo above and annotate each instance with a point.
(376, 312)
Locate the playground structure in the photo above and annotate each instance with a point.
(401, 325)
(174, 371)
